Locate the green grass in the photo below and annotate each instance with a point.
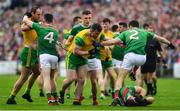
(168, 97)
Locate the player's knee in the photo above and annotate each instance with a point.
(94, 82)
(81, 80)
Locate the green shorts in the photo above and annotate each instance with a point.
(74, 61)
(106, 64)
(28, 57)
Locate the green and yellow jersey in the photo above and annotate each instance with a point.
(29, 37)
(28, 55)
(103, 52)
(84, 40)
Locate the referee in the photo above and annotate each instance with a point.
(149, 68)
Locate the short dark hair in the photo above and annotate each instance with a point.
(114, 28)
(106, 20)
(134, 23)
(86, 12)
(131, 102)
(97, 27)
(76, 18)
(34, 9)
(48, 17)
(145, 26)
(124, 24)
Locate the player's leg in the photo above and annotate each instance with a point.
(148, 69)
(81, 75)
(94, 67)
(130, 60)
(56, 73)
(54, 86)
(112, 76)
(19, 83)
(32, 78)
(93, 78)
(154, 78)
(103, 85)
(139, 78)
(68, 96)
(47, 81)
(26, 62)
(120, 81)
(70, 77)
(107, 66)
(149, 84)
(40, 83)
(54, 77)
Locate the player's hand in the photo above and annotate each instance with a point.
(107, 59)
(96, 44)
(28, 14)
(171, 46)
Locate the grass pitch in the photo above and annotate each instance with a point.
(168, 97)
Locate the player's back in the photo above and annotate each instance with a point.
(47, 38)
(135, 40)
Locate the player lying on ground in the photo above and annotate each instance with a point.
(132, 96)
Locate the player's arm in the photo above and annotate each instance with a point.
(68, 41)
(164, 40)
(139, 90)
(161, 39)
(77, 51)
(27, 21)
(25, 27)
(79, 44)
(111, 42)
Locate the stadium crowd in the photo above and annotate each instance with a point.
(163, 14)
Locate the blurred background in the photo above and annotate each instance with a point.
(163, 14)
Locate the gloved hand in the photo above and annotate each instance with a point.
(171, 46)
(28, 14)
(96, 44)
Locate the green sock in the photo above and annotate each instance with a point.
(48, 95)
(41, 90)
(27, 91)
(54, 94)
(12, 96)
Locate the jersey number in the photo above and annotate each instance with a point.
(134, 35)
(49, 37)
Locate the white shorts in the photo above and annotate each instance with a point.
(94, 64)
(116, 63)
(132, 59)
(47, 60)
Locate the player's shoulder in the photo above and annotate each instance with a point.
(76, 26)
(84, 32)
(110, 32)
